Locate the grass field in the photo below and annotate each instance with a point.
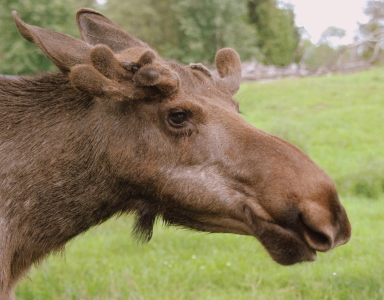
(338, 121)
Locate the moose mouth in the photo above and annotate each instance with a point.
(285, 246)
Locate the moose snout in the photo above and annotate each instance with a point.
(324, 229)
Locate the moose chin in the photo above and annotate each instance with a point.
(119, 129)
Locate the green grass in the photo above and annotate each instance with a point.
(338, 121)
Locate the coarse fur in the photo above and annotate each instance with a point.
(121, 130)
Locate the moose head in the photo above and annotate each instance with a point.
(123, 130)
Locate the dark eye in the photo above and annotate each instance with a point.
(178, 119)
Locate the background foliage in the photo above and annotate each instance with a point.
(193, 30)
(17, 56)
(278, 37)
(184, 30)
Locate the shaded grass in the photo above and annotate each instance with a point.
(338, 121)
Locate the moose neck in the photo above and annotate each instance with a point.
(57, 136)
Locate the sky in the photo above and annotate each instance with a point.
(317, 15)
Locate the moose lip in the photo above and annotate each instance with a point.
(285, 246)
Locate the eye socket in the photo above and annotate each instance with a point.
(178, 118)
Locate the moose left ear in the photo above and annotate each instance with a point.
(96, 28)
(63, 50)
(228, 65)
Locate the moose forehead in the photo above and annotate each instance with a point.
(198, 85)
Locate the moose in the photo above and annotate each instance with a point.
(121, 130)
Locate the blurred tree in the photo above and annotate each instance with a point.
(374, 9)
(184, 30)
(187, 30)
(320, 55)
(324, 52)
(153, 21)
(278, 36)
(209, 25)
(330, 33)
(373, 30)
(138, 17)
(18, 56)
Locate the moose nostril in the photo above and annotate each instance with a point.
(318, 239)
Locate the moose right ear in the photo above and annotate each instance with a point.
(63, 50)
(228, 65)
(95, 29)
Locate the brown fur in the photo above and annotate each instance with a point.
(121, 130)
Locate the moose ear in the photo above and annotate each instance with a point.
(95, 29)
(63, 50)
(228, 65)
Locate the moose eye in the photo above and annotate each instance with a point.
(178, 119)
